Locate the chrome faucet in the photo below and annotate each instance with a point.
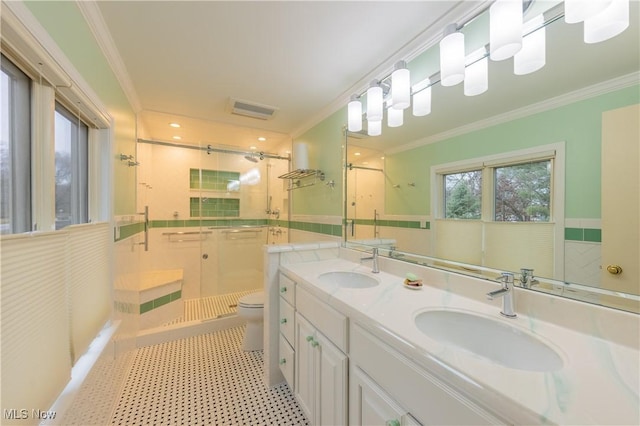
(526, 278)
(374, 257)
(506, 292)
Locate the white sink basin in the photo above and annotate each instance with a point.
(490, 339)
(348, 279)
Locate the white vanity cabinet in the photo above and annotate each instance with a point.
(286, 320)
(321, 367)
(393, 377)
(369, 404)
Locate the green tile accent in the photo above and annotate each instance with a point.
(160, 301)
(211, 180)
(175, 296)
(214, 207)
(573, 234)
(129, 230)
(593, 235)
(146, 307)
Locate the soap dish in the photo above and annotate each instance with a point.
(413, 287)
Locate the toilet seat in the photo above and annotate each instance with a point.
(253, 300)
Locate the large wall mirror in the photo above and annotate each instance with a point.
(538, 175)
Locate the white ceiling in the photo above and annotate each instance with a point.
(185, 60)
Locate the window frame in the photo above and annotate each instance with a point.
(554, 151)
(79, 197)
(19, 127)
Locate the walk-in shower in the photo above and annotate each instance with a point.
(210, 215)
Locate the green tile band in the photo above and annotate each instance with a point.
(413, 224)
(160, 301)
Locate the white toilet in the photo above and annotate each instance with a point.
(251, 307)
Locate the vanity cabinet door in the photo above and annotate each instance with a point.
(320, 376)
(305, 372)
(332, 368)
(370, 405)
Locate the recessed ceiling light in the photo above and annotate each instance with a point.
(253, 147)
(176, 125)
(356, 153)
(262, 139)
(177, 138)
(365, 163)
(382, 158)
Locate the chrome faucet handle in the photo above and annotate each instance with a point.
(507, 278)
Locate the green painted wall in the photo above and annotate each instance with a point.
(65, 24)
(325, 144)
(578, 124)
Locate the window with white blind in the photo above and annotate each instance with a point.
(512, 200)
(15, 151)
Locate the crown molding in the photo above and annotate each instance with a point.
(31, 41)
(98, 27)
(546, 105)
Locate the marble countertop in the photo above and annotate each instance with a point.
(597, 384)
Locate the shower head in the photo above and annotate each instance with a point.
(251, 158)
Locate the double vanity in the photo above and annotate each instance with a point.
(361, 348)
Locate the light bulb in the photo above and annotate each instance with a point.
(607, 24)
(532, 56)
(354, 114)
(579, 10)
(401, 86)
(395, 117)
(374, 128)
(452, 57)
(476, 80)
(422, 100)
(374, 102)
(505, 29)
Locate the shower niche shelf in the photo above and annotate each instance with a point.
(302, 178)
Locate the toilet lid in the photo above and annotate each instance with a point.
(252, 300)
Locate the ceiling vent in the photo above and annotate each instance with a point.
(251, 109)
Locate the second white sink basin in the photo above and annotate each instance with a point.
(348, 279)
(490, 339)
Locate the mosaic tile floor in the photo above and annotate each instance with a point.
(202, 380)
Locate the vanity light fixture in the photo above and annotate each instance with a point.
(401, 86)
(354, 114)
(608, 23)
(175, 125)
(508, 37)
(476, 80)
(395, 117)
(579, 10)
(532, 56)
(262, 139)
(422, 99)
(374, 102)
(374, 128)
(451, 56)
(505, 29)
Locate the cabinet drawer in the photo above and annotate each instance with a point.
(286, 320)
(330, 322)
(422, 394)
(287, 289)
(286, 361)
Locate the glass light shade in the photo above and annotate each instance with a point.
(422, 102)
(579, 10)
(395, 117)
(452, 59)
(374, 128)
(354, 115)
(533, 54)
(607, 24)
(476, 80)
(505, 29)
(401, 87)
(374, 103)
